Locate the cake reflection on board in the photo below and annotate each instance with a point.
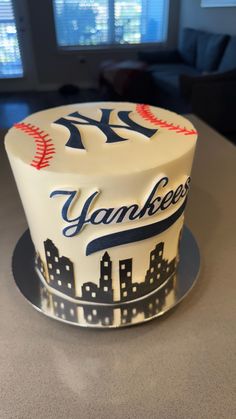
(105, 315)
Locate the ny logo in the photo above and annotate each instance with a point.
(103, 125)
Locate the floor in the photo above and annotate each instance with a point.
(16, 106)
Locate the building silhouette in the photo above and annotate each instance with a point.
(59, 274)
(103, 292)
(158, 272)
(60, 270)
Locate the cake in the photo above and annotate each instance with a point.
(104, 188)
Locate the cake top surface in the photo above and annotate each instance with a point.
(101, 138)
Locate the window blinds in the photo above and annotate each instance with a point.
(108, 22)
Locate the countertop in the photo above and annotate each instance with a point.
(182, 365)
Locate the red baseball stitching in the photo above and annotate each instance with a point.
(44, 145)
(145, 112)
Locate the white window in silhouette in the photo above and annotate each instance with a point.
(10, 56)
(86, 23)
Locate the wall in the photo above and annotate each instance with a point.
(216, 19)
(56, 67)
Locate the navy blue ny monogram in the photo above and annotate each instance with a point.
(75, 140)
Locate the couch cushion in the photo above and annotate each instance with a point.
(166, 76)
(210, 48)
(173, 69)
(188, 45)
(155, 56)
(228, 61)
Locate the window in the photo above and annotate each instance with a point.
(67, 267)
(56, 259)
(10, 58)
(107, 22)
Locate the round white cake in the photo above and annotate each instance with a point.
(104, 187)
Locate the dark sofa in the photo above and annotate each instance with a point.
(199, 77)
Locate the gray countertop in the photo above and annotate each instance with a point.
(182, 365)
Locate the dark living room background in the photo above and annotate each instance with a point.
(177, 54)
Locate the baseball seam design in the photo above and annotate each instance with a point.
(145, 112)
(44, 145)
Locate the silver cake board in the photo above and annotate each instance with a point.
(93, 315)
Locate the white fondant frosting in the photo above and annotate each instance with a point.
(115, 156)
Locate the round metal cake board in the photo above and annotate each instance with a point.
(101, 315)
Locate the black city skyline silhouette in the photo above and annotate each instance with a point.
(59, 274)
